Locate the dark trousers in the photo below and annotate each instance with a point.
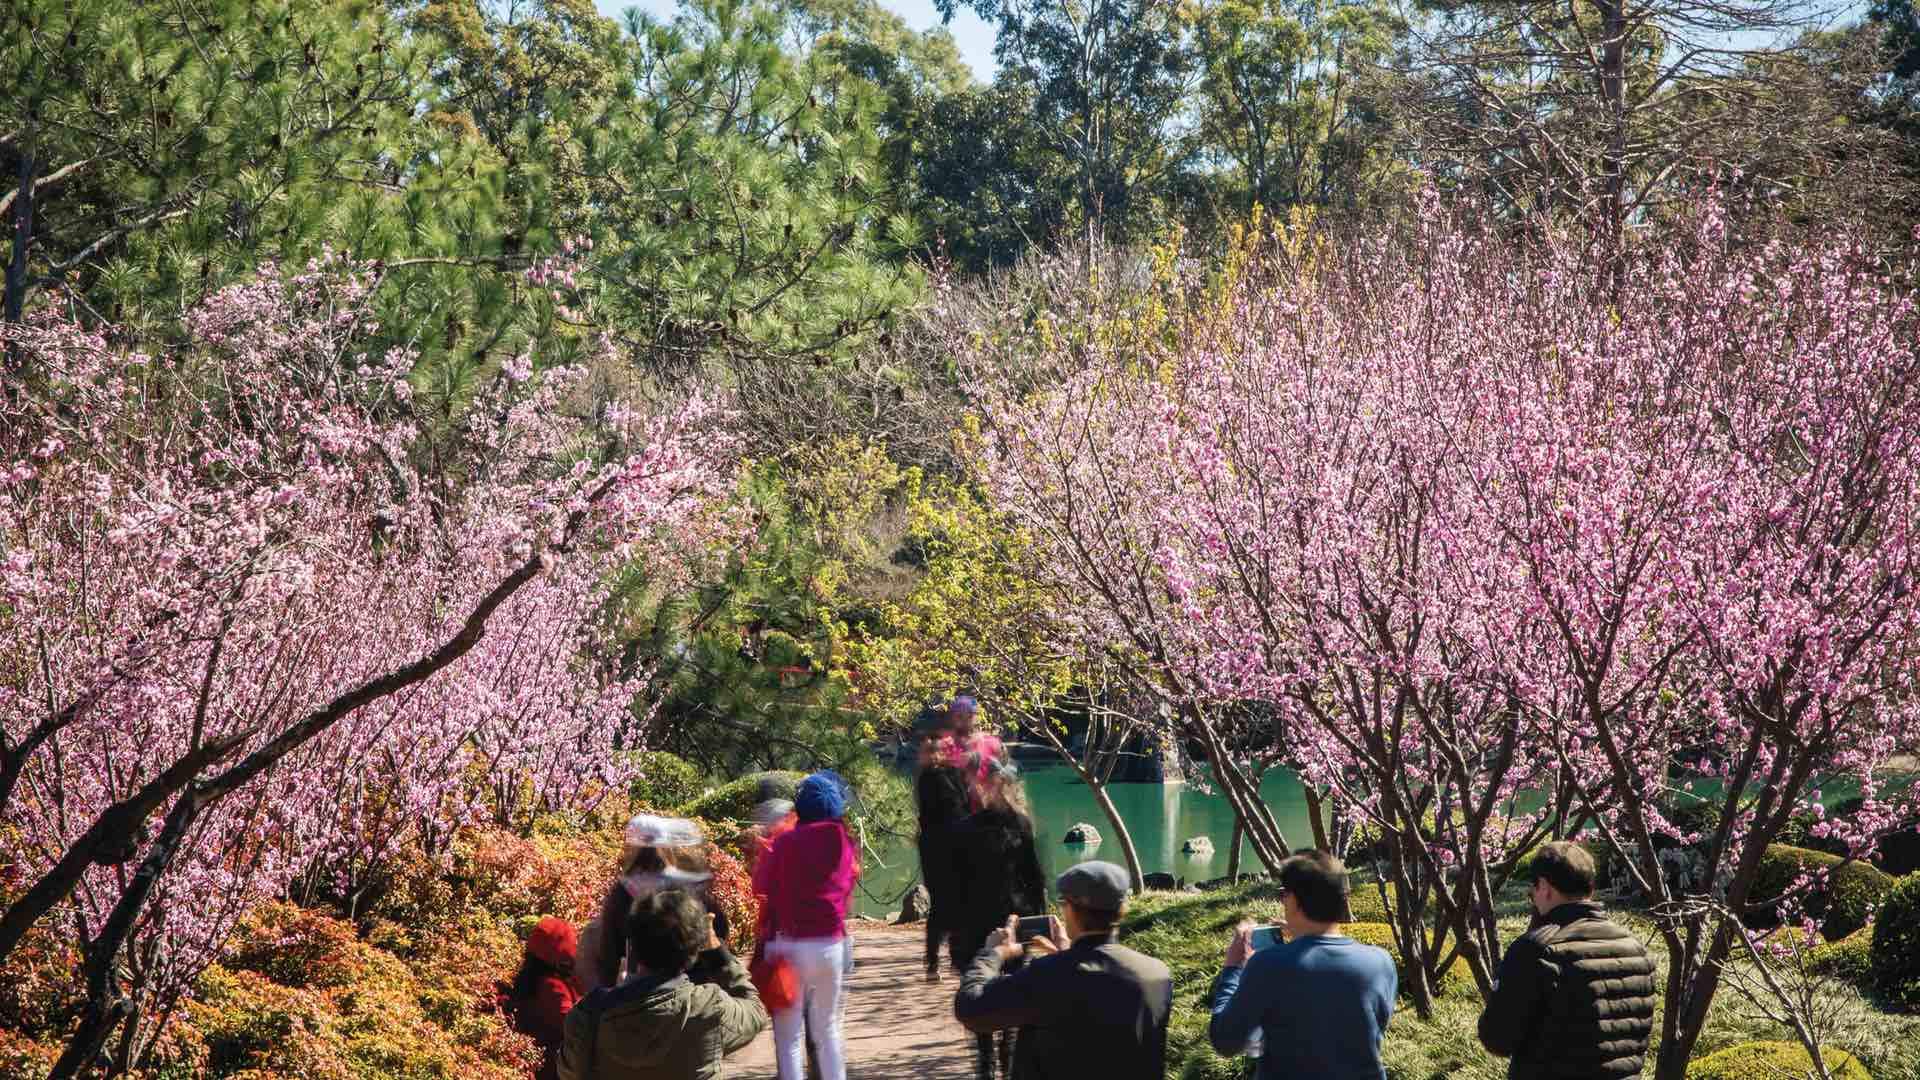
(997, 1045)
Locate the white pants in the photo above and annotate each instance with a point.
(820, 971)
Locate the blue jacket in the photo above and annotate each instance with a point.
(1322, 1002)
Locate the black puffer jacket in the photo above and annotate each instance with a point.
(1575, 999)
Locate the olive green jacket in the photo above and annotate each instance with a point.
(663, 1027)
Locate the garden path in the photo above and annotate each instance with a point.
(897, 1026)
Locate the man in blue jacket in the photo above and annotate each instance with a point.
(1322, 1000)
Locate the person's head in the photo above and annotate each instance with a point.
(996, 786)
(1314, 892)
(960, 713)
(665, 932)
(550, 951)
(771, 812)
(1093, 897)
(647, 834)
(1561, 872)
(821, 797)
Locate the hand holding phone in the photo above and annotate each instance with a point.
(1034, 926)
(1264, 936)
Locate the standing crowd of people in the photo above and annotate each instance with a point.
(649, 991)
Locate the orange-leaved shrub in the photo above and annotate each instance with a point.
(404, 990)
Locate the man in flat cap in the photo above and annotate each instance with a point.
(1085, 1004)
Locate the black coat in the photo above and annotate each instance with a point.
(996, 872)
(1098, 1009)
(1574, 1000)
(941, 792)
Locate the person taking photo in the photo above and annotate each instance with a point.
(1321, 1000)
(1085, 1005)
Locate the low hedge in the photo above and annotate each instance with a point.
(665, 780)
(735, 800)
(1843, 904)
(1455, 979)
(1850, 959)
(1771, 1061)
(1894, 955)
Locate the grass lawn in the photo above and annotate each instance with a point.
(1189, 933)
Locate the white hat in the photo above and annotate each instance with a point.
(647, 830)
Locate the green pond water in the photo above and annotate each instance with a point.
(1160, 817)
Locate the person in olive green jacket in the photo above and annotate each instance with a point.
(658, 1025)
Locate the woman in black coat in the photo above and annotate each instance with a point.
(941, 791)
(997, 872)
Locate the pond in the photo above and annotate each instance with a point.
(1160, 816)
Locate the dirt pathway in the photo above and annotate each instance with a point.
(897, 1027)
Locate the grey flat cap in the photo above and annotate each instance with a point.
(1098, 885)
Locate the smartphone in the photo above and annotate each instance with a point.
(1264, 936)
(1034, 926)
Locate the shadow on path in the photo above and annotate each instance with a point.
(897, 1025)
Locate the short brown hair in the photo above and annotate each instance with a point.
(1096, 920)
(1319, 882)
(666, 931)
(1565, 865)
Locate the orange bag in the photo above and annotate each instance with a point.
(773, 977)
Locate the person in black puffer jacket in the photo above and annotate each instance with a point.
(1574, 1000)
(997, 869)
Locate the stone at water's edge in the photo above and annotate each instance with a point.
(1160, 881)
(1197, 845)
(1082, 833)
(913, 906)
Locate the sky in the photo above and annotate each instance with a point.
(974, 37)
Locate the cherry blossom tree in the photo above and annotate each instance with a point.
(238, 594)
(1711, 506)
(1511, 545)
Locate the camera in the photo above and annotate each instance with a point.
(1264, 936)
(1034, 926)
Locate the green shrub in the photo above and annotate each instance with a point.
(1455, 979)
(734, 801)
(1895, 952)
(1772, 1061)
(1691, 816)
(665, 781)
(1850, 959)
(1843, 903)
(1364, 904)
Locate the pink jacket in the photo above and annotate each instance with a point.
(807, 879)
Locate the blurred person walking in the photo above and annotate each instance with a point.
(997, 869)
(940, 790)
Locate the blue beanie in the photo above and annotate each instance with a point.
(822, 795)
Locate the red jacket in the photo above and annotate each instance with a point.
(807, 879)
(542, 1015)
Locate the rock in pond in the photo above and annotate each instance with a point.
(1082, 833)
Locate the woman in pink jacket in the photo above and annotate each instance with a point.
(806, 880)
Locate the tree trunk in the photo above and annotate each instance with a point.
(1233, 852)
(16, 292)
(1121, 834)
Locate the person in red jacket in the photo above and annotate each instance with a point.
(543, 991)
